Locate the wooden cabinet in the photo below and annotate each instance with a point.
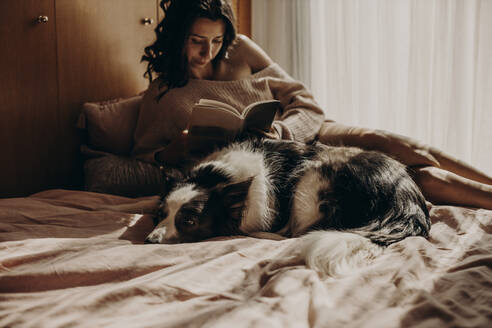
(87, 50)
(28, 96)
(99, 47)
(56, 55)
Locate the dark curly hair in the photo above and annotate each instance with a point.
(165, 56)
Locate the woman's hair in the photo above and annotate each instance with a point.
(165, 56)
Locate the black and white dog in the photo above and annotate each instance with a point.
(289, 188)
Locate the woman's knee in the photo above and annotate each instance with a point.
(430, 179)
(443, 187)
(334, 133)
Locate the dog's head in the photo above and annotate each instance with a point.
(192, 212)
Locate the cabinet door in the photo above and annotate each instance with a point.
(100, 44)
(242, 10)
(28, 97)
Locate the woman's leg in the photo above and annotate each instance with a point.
(443, 187)
(451, 164)
(406, 150)
(443, 179)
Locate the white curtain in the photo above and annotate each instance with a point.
(421, 68)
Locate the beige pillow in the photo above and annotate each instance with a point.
(110, 124)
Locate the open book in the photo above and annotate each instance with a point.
(211, 118)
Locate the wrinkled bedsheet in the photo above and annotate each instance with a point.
(77, 259)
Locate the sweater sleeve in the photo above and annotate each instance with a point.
(301, 116)
(160, 121)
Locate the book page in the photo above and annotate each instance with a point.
(214, 117)
(260, 115)
(215, 104)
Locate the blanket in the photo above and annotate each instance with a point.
(78, 259)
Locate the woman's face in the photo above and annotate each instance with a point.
(204, 43)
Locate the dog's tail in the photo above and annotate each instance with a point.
(337, 253)
(397, 224)
(340, 253)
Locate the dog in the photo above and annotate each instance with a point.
(288, 188)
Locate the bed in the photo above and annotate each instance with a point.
(73, 258)
(77, 258)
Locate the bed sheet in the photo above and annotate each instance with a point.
(77, 259)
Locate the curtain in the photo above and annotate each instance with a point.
(421, 68)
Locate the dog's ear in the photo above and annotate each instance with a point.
(234, 197)
(170, 176)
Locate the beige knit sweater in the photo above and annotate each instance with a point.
(160, 122)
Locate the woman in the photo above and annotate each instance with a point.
(198, 55)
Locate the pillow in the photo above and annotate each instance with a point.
(122, 176)
(110, 124)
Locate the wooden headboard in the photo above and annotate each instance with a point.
(59, 54)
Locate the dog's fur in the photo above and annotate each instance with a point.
(289, 188)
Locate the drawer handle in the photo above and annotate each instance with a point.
(42, 19)
(147, 21)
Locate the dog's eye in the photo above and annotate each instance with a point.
(189, 222)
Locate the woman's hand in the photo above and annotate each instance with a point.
(271, 134)
(188, 146)
(176, 151)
